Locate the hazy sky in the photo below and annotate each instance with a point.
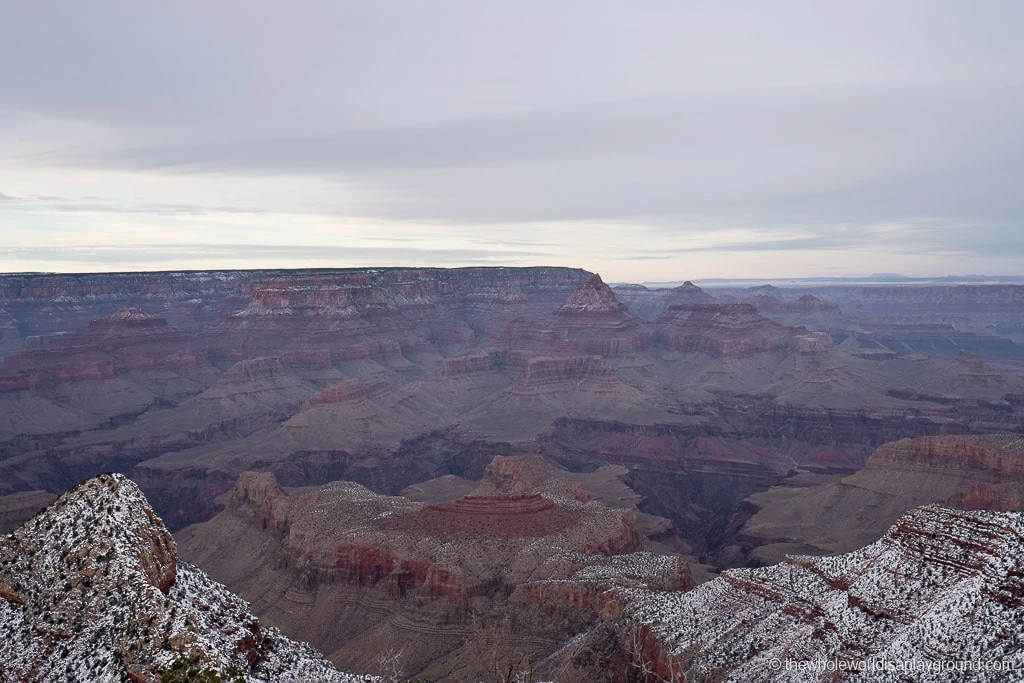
(645, 140)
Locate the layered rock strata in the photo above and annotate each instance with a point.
(971, 472)
(729, 330)
(434, 578)
(648, 303)
(129, 340)
(942, 587)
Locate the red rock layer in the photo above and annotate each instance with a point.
(723, 330)
(321, 318)
(503, 515)
(594, 321)
(344, 533)
(565, 367)
(483, 361)
(998, 455)
(126, 341)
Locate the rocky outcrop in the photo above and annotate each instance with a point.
(386, 314)
(344, 391)
(732, 330)
(256, 376)
(410, 572)
(129, 340)
(593, 320)
(648, 304)
(999, 457)
(942, 587)
(565, 367)
(91, 590)
(808, 303)
(498, 516)
(482, 361)
(973, 472)
(593, 296)
(403, 533)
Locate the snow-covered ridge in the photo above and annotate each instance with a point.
(91, 590)
(942, 586)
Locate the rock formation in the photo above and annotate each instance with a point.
(726, 330)
(91, 590)
(941, 589)
(972, 472)
(129, 340)
(648, 304)
(435, 579)
(808, 303)
(594, 321)
(385, 314)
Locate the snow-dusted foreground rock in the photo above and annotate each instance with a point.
(939, 598)
(91, 590)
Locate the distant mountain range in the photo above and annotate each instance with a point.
(853, 280)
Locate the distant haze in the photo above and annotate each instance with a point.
(649, 141)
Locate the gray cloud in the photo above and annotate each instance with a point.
(99, 205)
(162, 254)
(819, 154)
(821, 119)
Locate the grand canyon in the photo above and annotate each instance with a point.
(511, 342)
(498, 473)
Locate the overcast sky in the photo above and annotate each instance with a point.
(645, 140)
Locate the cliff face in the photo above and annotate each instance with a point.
(321, 318)
(424, 306)
(48, 304)
(730, 330)
(129, 340)
(941, 586)
(938, 297)
(808, 303)
(91, 589)
(594, 321)
(974, 472)
(998, 457)
(648, 304)
(371, 537)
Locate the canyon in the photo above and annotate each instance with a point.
(450, 462)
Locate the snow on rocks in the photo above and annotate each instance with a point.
(942, 588)
(91, 590)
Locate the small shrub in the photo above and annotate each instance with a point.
(187, 670)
